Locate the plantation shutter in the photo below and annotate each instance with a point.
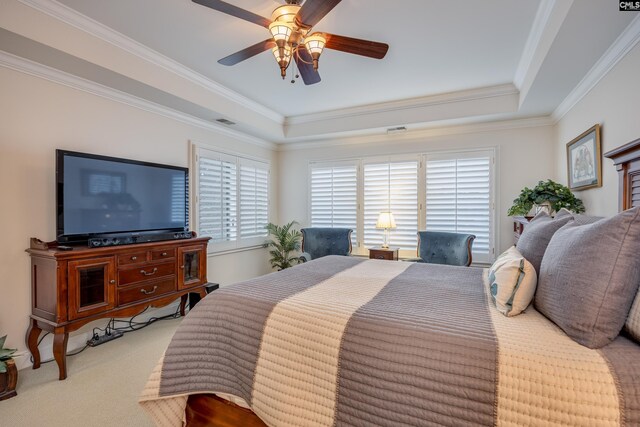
(391, 186)
(254, 199)
(333, 196)
(178, 188)
(459, 198)
(217, 196)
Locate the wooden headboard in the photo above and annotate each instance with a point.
(627, 162)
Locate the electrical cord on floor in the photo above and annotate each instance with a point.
(51, 360)
(136, 326)
(111, 326)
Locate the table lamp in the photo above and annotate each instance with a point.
(386, 222)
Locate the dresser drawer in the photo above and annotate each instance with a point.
(145, 290)
(379, 253)
(166, 253)
(147, 272)
(132, 258)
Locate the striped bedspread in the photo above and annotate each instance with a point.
(349, 342)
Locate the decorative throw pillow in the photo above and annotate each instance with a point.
(632, 325)
(537, 234)
(513, 282)
(589, 277)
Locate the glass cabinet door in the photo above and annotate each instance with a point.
(192, 267)
(91, 286)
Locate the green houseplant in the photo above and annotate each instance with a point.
(8, 371)
(284, 243)
(556, 195)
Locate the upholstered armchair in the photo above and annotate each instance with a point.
(437, 247)
(320, 241)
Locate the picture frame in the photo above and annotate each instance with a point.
(584, 160)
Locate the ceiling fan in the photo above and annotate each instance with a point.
(290, 27)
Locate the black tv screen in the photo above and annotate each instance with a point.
(99, 195)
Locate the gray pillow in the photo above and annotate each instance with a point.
(537, 234)
(589, 277)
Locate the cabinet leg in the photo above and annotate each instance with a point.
(183, 303)
(33, 333)
(60, 351)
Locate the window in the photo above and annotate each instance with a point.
(334, 196)
(458, 197)
(393, 187)
(440, 192)
(232, 199)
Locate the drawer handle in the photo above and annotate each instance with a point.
(112, 281)
(144, 291)
(133, 258)
(155, 270)
(380, 257)
(164, 254)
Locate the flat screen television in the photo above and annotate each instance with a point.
(100, 196)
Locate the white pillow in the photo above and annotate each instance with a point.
(512, 281)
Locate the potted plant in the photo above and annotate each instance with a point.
(8, 371)
(284, 242)
(547, 194)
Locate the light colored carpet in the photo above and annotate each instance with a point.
(102, 385)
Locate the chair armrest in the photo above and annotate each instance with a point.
(415, 259)
(304, 257)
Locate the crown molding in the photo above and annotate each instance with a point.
(32, 68)
(71, 17)
(538, 28)
(405, 104)
(618, 50)
(432, 132)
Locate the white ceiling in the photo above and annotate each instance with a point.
(449, 62)
(436, 47)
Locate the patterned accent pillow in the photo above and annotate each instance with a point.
(537, 234)
(589, 277)
(632, 325)
(512, 280)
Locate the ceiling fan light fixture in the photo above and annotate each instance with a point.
(315, 44)
(283, 61)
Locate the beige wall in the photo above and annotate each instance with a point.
(525, 156)
(39, 116)
(614, 103)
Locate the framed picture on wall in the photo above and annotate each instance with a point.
(584, 160)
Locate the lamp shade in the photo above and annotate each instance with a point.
(281, 31)
(386, 221)
(282, 61)
(315, 43)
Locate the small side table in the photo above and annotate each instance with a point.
(519, 223)
(390, 254)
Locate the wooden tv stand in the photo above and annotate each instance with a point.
(74, 287)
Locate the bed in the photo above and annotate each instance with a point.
(347, 341)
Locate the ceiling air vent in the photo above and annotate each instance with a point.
(396, 130)
(225, 122)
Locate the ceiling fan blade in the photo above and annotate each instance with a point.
(309, 75)
(356, 46)
(232, 10)
(312, 11)
(247, 53)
